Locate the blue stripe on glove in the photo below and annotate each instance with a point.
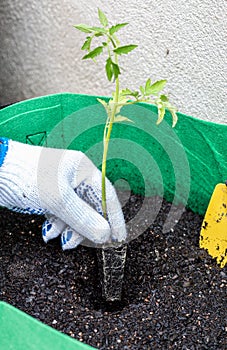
(28, 210)
(3, 148)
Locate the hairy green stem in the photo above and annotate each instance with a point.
(106, 139)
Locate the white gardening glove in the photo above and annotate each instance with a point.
(65, 186)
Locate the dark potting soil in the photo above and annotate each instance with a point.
(174, 294)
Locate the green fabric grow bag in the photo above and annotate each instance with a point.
(19, 331)
(182, 164)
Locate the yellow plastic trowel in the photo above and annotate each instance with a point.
(213, 234)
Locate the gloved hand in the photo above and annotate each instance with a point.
(65, 186)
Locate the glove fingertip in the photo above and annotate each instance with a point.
(119, 235)
(70, 239)
(46, 228)
(50, 230)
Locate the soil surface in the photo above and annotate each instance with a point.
(174, 294)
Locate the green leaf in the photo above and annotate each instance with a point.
(124, 49)
(93, 53)
(102, 18)
(117, 106)
(122, 100)
(117, 27)
(109, 70)
(116, 70)
(161, 113)
(142, 90)
(104, 103)
(121, 118)
(174, 116)
(126, 92)
(112, 69)
(98, 30)
(155, 88)
(147, 85)
(83, 28)
(98, 34)
(134, 93)
(87, 44)
(164, 98)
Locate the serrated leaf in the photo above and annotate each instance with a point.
(97, 51)
(126, 92)
(109, 70)
(147, 85)
(83, 28)
(121, 118)
(155, 88)
(102, 18)
(134, 93)
(87, 44)
(124, 49)
(116, 70)
(117, 27)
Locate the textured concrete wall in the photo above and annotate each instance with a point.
(182, 41)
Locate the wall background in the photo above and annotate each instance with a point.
(183, 41)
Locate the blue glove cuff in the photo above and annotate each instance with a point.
(3, 149)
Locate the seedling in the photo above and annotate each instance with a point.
(103, 40)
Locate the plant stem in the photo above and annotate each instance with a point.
(106, 139)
